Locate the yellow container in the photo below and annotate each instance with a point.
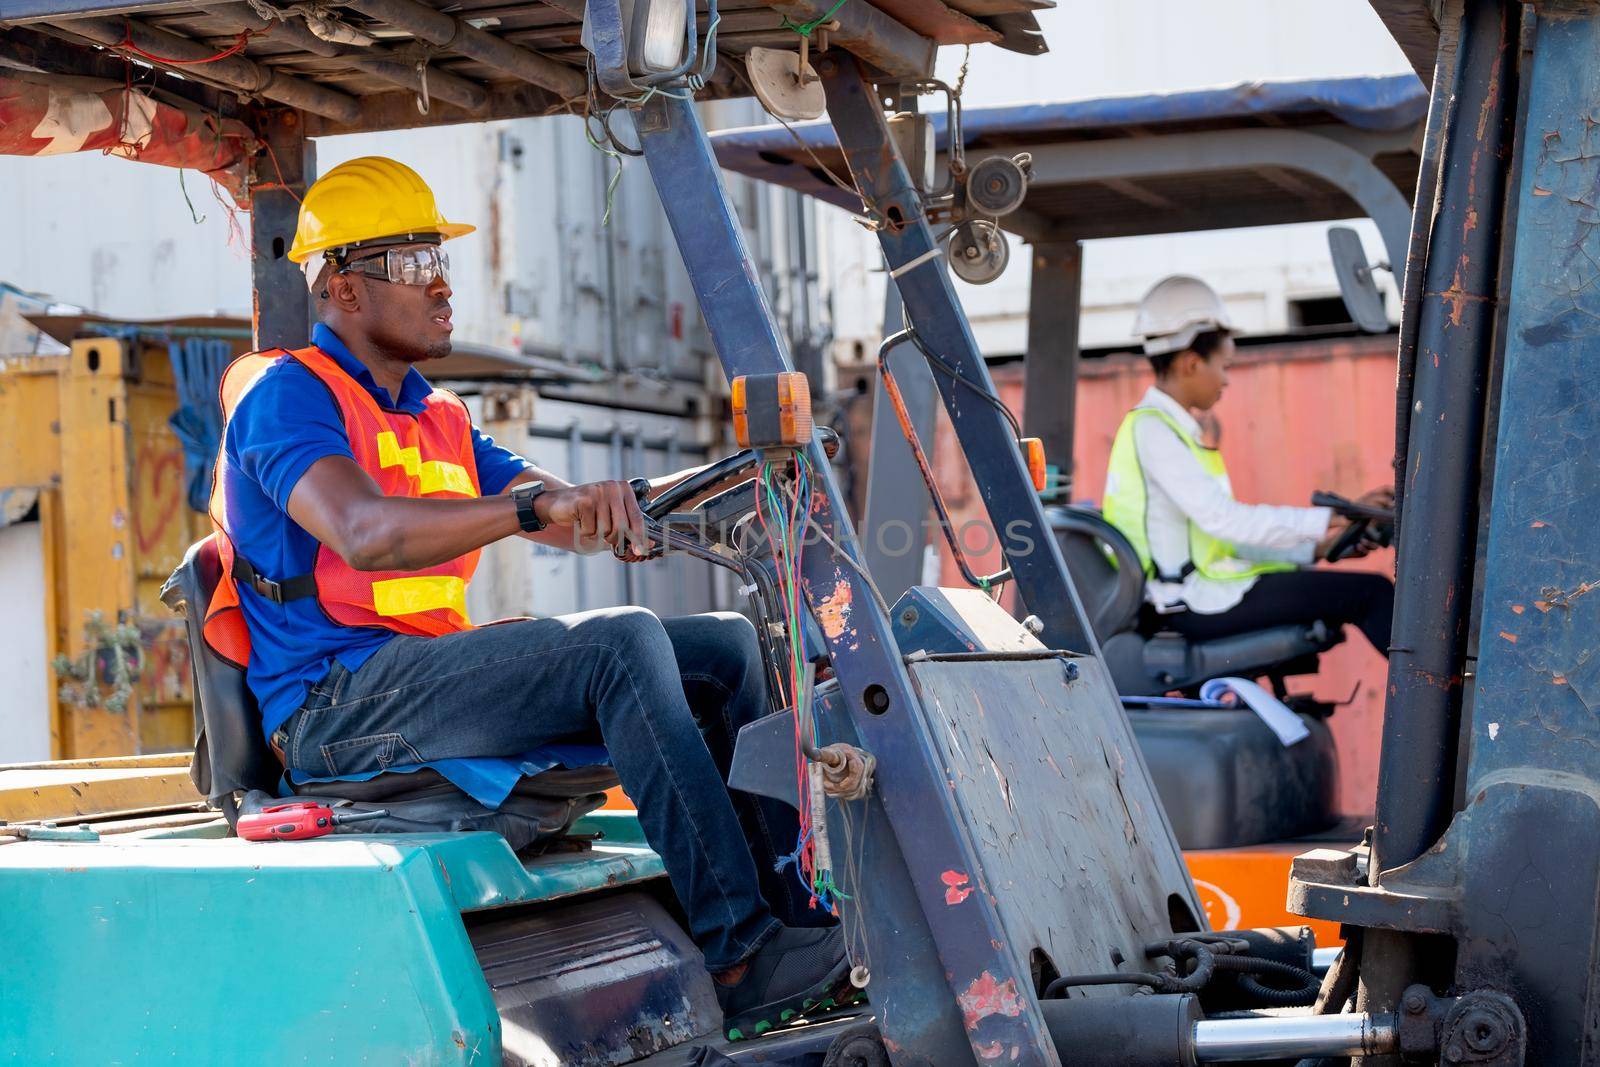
(88, 432)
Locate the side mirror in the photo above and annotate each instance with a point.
(1361, 296)
(638, 44)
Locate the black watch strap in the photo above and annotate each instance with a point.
(525, 495)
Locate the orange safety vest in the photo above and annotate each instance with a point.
(426, 455)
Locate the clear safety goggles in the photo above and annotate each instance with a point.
(417, 265)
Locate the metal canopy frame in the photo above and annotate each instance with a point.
(476, 59)
(1343, 160)
(1092, 178)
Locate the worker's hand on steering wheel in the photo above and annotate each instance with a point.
(599, 511)
(1337, 524)
(1378, 498)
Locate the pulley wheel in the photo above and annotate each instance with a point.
(979, 252)
(782, 87)
(996, 186)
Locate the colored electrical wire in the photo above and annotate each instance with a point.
(783, 503)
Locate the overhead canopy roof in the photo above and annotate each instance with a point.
(1412, 25)
(1247, 155)
(354, 65)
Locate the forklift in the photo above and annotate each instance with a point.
(1009, 883)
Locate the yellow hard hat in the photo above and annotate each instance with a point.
(366, 199)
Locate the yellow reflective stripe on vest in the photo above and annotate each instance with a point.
(440, 477)
(413, 596)
(1126, 506)
(436, 475)
(390, 454)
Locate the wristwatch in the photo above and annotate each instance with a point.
(525, 495)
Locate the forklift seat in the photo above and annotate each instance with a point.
(1224, 778)
(1107, 573)
(236, 771)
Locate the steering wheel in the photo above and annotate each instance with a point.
(715, 510)
(1368, 525)
(718, 509)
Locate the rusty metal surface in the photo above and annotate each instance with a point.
(1412, 25)
(519, 59)
(1435, 543)
(1046, 772)
(933, 19)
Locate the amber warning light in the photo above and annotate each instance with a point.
(772, 410)
(1033, 451)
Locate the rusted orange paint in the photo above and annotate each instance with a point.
(988, 996)
(833, 611)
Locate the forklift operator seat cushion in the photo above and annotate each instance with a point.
(1110, 579)
(232, 758)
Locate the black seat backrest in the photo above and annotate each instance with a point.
(230, 753)
(1104, 568)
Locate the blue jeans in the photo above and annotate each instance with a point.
(666, 698)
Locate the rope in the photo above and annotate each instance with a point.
(961, 79)
(274, 157)
(127, 45)
(193, 214)
(805, 29)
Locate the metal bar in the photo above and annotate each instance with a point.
(975, 953)
(19, 12)
(278, 181)
(952, 538)
(378, 63)
(1294, 1037)
(896, 500)
(887, 44)
(1423, 204)
(242, 74)
(1050, 369)
(398, 111)
(48, 49)
(1528, 835)
(1346, 167)
(454, 35)
(1435, 547)
(1436, 543)
(986, 438)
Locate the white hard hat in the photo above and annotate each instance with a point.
(1175, 311)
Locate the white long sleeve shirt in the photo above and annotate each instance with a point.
(1178, 491)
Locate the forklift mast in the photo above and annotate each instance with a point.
(1482, 879)
(960, 895)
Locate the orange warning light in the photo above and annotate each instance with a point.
(772, 410)
(1033, 452)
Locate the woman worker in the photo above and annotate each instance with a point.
(1214, 566)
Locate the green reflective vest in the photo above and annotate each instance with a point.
(1127, 498)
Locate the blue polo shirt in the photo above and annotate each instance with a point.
(286, 422)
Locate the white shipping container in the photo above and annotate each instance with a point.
(583, 443)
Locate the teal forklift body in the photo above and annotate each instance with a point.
(345, 950)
